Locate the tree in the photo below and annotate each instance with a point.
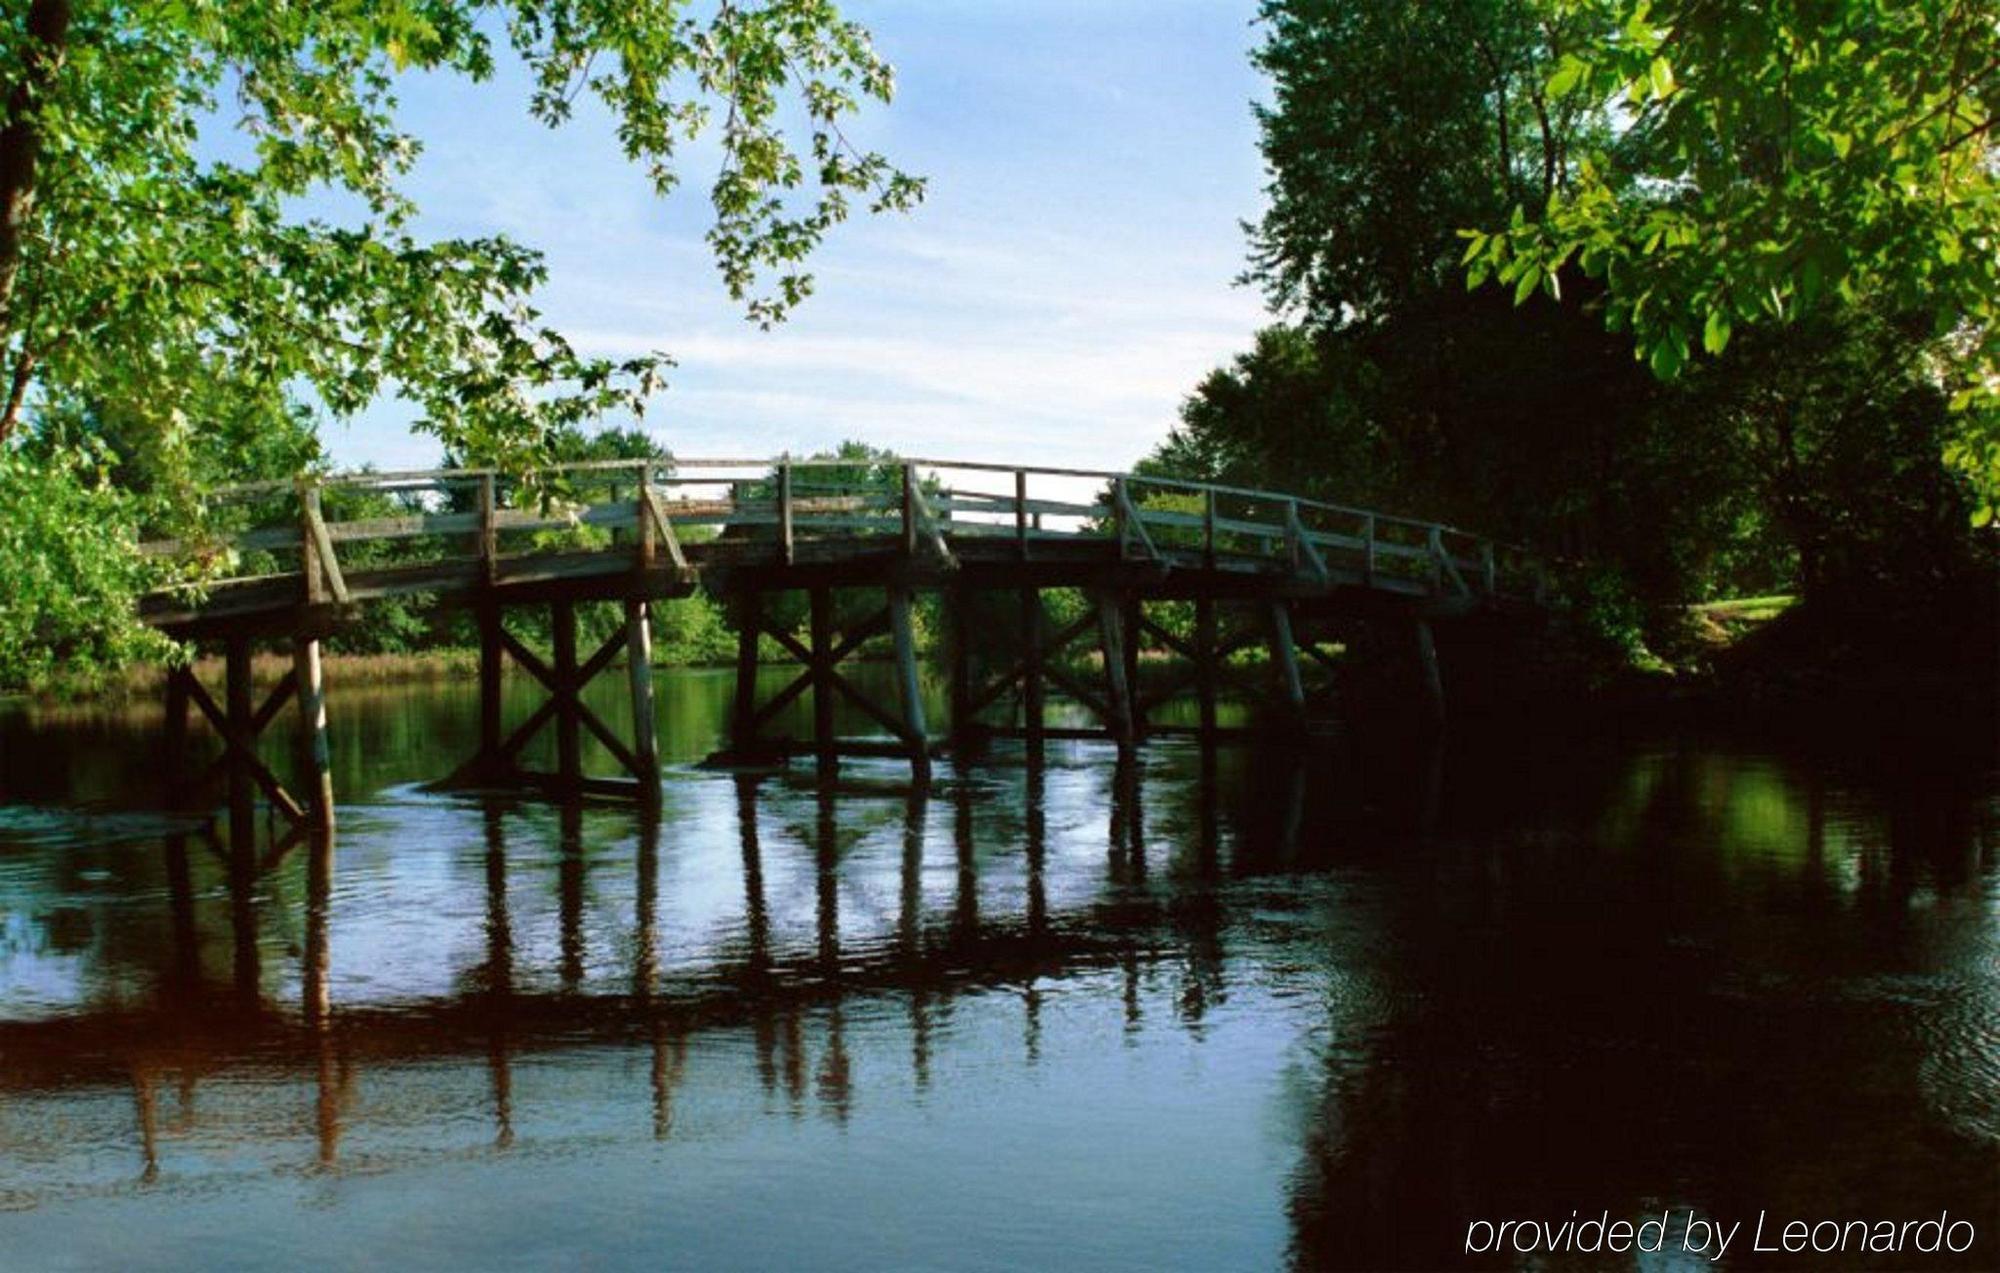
(66, 619)
(1774, 164)
(168, 319)
(1515, 410)
(150, 152)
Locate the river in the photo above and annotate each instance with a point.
(1250, 1009)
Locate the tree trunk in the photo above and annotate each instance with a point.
(20, 146)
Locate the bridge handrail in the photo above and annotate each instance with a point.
(1289, 539)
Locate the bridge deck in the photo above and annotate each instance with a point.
(300, 555)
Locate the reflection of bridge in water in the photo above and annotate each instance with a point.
(1036, 596)
(790, 993)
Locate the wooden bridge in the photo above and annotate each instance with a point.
(291, 561)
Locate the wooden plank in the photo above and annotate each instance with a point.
(1284, 656)
(563, 687)
(1204, 661)
(908, 681)
(488, 545)
(599, 660)
(490, 653)
(590, 720)
(1427, 667)
(1130, 522)
(1081, 693)
(1031, 665)
(315, 756)
(404, 527)
(663, 526)
(526, 730)
(1166, 638)
(281, 693)
(778, 702)
(639, 671)
(791, 644)
(820, 608)
(743, 716)
(1308, 554)
(527, 658)
(875, 711)
(1112, 638)
(785, 551)
(323, 545)
(928, 528)
(1021, 511)
(1447, 564)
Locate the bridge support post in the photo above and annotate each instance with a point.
(173, 766)
(242, 806)
(1427, 668)
(909, 684)
(959, 635)
(1285, 658)
(1204, 663)
(1113, 638)
(825, 750)
(315, 759)
(639, 675)
(743, 717)
(1031, 668)
(1132, 616)
(488, 764)
(569, 732)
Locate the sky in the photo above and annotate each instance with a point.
(1068, 280)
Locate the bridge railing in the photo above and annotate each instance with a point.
(320, 528)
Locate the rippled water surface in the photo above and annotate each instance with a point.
(1240, 1010)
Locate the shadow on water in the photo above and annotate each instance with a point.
(1224, 1008)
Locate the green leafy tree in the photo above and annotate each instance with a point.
(161, 292)
(146, 259)
(67, 620)
(1773, 164)
(1516, 410)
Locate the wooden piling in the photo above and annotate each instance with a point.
(569, 725)
(1131, 616)
(490, 654)
(959, 635)
(242, 807)
(743, 719)
(824, 747)
(173, 767)
(639, 676)
(1285, 658)
(1031, 667)
(315, 761)
(909, 683)
(1204, 653)
(1427, 667)
(1112, 640)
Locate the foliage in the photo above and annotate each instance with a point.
(68, 554)
(1390, 124)
(1808, 458)
(205, 243)
(152, 156)
(1776, 164)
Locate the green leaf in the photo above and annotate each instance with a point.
(1524, 287)
(1715, 332)
(1661, 77)
(1570, 72)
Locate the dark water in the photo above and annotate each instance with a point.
(1241, 1011)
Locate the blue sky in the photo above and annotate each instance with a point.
(1065, 284)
